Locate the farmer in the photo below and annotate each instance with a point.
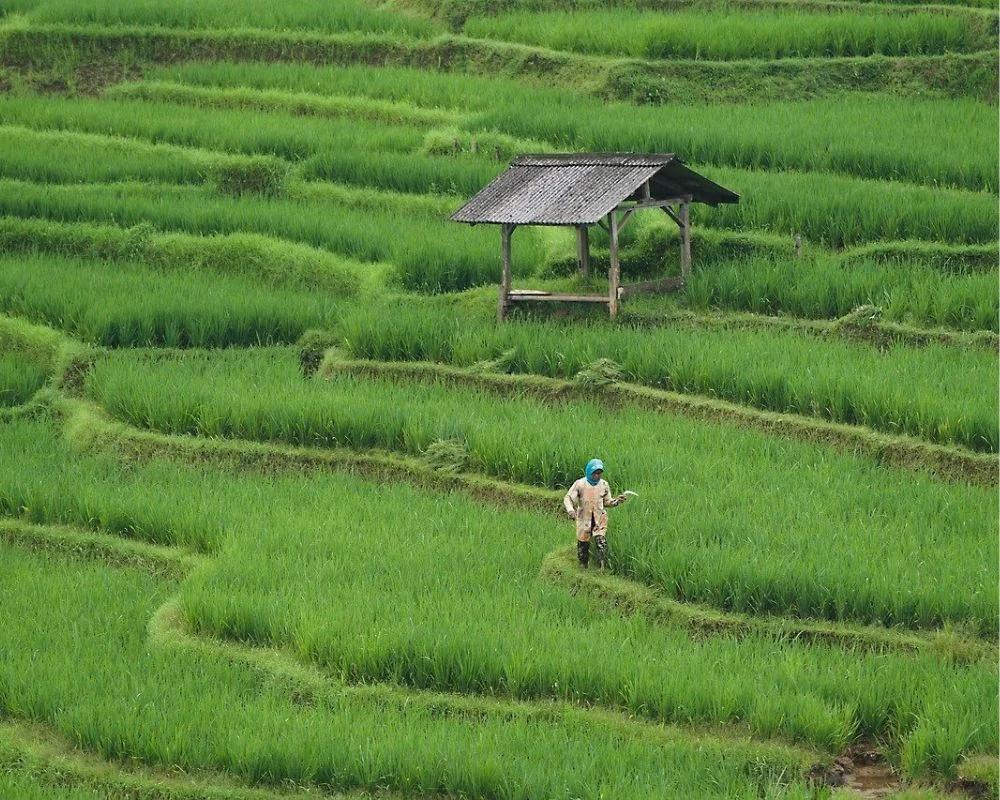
(586, 502)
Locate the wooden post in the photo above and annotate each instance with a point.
(685, 239)
(505, 232)
(583, 250)
(798, 246)
(614, 273)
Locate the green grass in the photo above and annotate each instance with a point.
(736, 545)
(122, 305)
(20, 378)
(292, 546)
(427, 254)
(63, 157)
(737, 34)
(277, 263)
(838, 211)
(346, 15)
(232, 131)
(300, 103)
(457, 11)
(135, 703)
(824, 288)
(937, 393)
(950, 142)
(273, 598)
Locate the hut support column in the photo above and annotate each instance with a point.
(505, 279)
(583, 250)
(614, 273)
(685, 239)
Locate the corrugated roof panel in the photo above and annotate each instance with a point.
(580, 188)
(594, 159)
(595, 194)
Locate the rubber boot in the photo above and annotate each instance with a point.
(602, 552)
(583, 553)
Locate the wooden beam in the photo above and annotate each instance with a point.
(546, 297)
(640, 204)
(625, 219)
(670, 213)
(651, 287)
(505, 278)
(685, 240)
(583, 250)
(614, 273)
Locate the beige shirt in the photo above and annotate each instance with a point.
(586, 504)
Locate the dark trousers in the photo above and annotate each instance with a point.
(583, 551)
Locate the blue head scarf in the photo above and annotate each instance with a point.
(592, 466)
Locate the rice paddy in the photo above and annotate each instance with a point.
(263, 445)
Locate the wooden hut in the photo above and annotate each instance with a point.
(584, 189)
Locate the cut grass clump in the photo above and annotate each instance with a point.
(601, 373)
(446, 455)
(312, 348)
(261, 176)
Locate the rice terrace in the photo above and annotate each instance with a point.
(312, 315)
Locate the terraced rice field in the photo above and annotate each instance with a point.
(281, 503)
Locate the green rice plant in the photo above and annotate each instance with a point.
(65, 157)
(277, 263)
(403, 172)
(948, 142)
(953, 259)
(231, 131)
(26, 786)
(29, 356)
(261, 175)
(941, 394)
(20, 378)
(158, 506)
(752, 544)
(37, 343)
(736, 34)
(823, 288)
(349, 15)
(456, 12)
(122, 305)
(401, 575)
(839, 211)
(427, 254)
(299, 103)
(136, 703)
(369, 198)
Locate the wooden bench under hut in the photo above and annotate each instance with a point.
(584, 189)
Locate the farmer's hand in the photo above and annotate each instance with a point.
(621, 498)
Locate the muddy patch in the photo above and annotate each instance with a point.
(861, 770)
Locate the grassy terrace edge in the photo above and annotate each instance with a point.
(949, 463)
(861, 325)
(73, 46)
(90, 427)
